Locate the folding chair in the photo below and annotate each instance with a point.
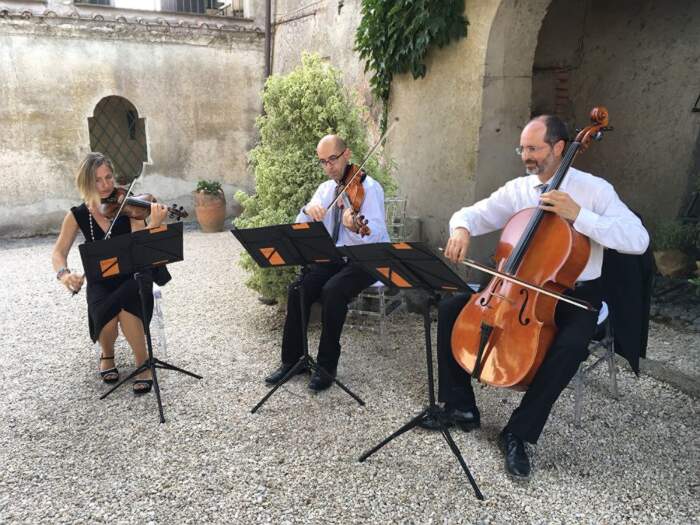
(377, 301)
(603, 340)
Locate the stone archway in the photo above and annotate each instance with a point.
(634, 57)
(507, 88)
(117, 131)
(637, 57)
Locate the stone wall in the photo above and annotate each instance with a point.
(459, 124)
(326, 27)
(195, 80)
(640, 59)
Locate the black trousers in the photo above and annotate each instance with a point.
(335, 285)
(570, 347)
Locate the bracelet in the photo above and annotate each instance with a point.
(61, 272)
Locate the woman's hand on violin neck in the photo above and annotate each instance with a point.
(73, 281)
(457, 245)
(315, 211)
(158, 214)
(560, 203)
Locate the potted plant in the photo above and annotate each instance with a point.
(672, 244)
(210, 206)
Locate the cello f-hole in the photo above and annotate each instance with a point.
(524, 322)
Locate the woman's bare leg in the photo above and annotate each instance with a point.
(107, 337)
(132, 328)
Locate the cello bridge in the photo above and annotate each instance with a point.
(501, 296)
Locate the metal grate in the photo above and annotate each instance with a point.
(189, 6)
(117, 131)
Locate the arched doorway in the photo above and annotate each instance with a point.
(636, 57)
(117, 131)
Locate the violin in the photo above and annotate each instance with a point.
(353, 194)
(503, 333)
(136, 207)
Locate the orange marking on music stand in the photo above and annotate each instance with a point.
(272, 256)
(394, 277)
(109, 267)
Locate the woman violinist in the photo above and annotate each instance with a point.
(593, 209)
(112, 302)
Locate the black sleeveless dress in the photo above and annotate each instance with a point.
(105, 299)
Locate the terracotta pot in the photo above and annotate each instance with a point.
(210, 210)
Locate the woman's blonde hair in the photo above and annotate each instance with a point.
(85, 178)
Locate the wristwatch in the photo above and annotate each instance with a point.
(61, 272)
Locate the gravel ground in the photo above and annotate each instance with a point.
(68, 457)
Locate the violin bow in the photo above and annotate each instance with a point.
(128, 192)
(359, 170)
(585, 305)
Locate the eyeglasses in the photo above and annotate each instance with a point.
(530, 149)
(331, 159)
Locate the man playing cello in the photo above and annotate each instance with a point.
(594, 209)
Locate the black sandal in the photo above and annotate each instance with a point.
(145, 389)
(111, 375)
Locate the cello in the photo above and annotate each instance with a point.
(502, 334)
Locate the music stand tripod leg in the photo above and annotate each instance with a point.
(408, 426)
(304, 360)
(145, 286)
(432, 409)
(168, 366)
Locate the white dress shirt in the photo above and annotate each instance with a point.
(372, 208)
(603, 218)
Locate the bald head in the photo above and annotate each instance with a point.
(332, 141)
(333, 154)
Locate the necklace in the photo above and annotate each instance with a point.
(92, 231)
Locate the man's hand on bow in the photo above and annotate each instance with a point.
(315, 211)
(457, 245)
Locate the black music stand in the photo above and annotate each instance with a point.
(137, 253)
(293, 245)
(410, 266)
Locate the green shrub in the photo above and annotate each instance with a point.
(209, 186)
(674, 235)
(300, 108)
(695, 282)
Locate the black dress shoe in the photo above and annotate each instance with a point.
(465, 419)
(321, 381)
(513, 448)
(276, 376)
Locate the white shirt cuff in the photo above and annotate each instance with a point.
(586, 221)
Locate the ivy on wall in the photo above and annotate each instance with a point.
(394, 37)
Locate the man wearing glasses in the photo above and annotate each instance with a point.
(333, 284)
(594, 209)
